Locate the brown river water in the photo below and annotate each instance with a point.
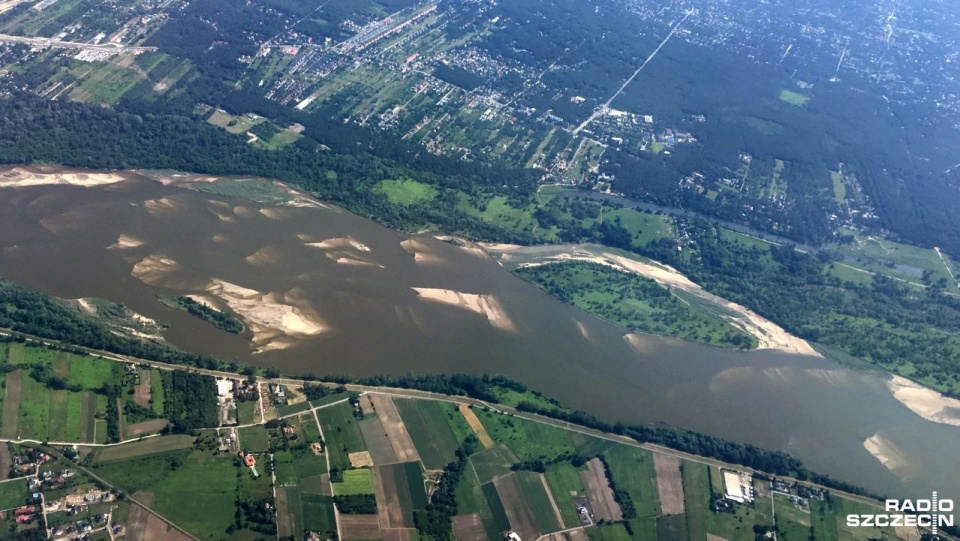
(330, 293)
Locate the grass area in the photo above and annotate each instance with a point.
(696, 494)
(247, 412)
(427, 426)
(527, 439)
(643, 227)
(472, 497)
(254, 439)
(151, 446)
(318, 513)
(342, 434)
(490, 464)
(455, 421)
(407, 191)
(884, 256)
(156, 392)
(235, 124)
(106, 84)
(309, 465)
(537, 499)
(793, 98)
(358, 481)
(793, 522)
(632, 470)
(610, 532)
(565, 482)
(634, 302)
(199, 495)
(13, 494)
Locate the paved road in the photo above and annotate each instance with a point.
(50, 42)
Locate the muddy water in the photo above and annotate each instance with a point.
(58, 239)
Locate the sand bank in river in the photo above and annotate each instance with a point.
(422, 252)
(891, 456)
(19, 176)
(484, 305)
(154, 269)
(126, 241)
(337, 243)
(273, 318)
(768, 334)
(925, 402)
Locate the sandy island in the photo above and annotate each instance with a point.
(891, 456)
(422, 253)
(484, 305)
(768, 334)
(153, 269)
(124, 242)
(273, 318)
(19, 176)
(925, 402)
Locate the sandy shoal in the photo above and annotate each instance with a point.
(484, 305)
(22, 177)
(925, 402)
(891, 456)
(153, 269)
(126, 241)
(337, 243)
(272, 317)
(422, 253)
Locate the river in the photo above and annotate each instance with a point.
(329, 292)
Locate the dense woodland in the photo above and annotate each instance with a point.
(190, 400)
(903, 328)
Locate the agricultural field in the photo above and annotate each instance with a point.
(53, 395)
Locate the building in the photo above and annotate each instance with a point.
(513, 536)
(737, 486)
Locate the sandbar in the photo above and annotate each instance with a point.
(484, 305)
(925, 402)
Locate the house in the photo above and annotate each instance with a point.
(513, 536)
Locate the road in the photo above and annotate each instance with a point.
(603, 108)
(58, 44)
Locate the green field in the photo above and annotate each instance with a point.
(199, 495)
(474, 498)
(359, 481)
(793, 98)
(318, 513)
(610, 532)
(696, 494)
(490, 464)
(537, 499)
(427, 426)
(632, 469)
(342, 434)
(254, 439)
(565, 482)
(247, 412)
(527, 439)
(13, 494)
(407, 191)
